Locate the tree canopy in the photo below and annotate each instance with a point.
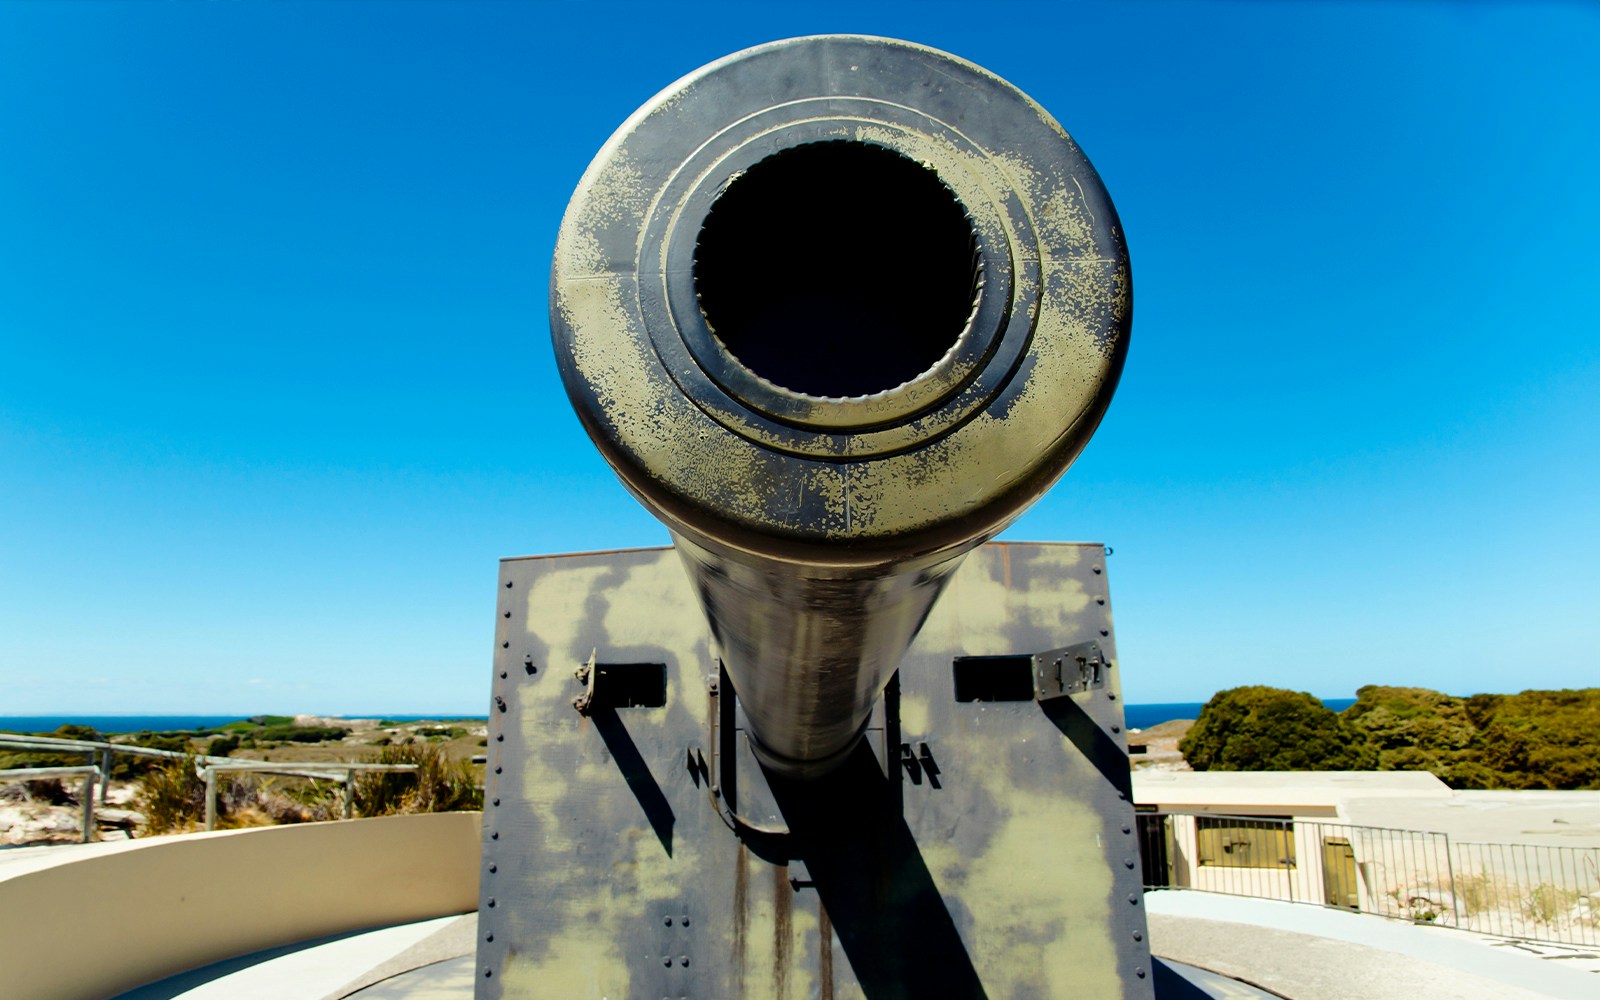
(1269, 729)
(1535, 739)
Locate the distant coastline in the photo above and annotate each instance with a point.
(1137, 717)
(1154, 714)
(109, 724)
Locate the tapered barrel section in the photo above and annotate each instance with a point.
(836, 310)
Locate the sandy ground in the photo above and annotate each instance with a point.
(28, 822)
(1161, 746)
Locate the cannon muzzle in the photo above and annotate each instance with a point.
(836, 310)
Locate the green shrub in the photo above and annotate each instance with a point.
(445, 732)
(1536, 739)
(302, 734)
(1271, 729)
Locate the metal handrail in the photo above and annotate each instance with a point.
(308, 769)
(65, 745)
(206, 768)
(105, 748)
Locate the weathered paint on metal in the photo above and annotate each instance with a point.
(822, 529)
(642, 852)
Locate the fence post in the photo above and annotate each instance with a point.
(105, 773)
(1450, 868)
(210, 775)
(349, 793)
(88, 806)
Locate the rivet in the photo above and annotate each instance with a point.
(666, 960)
(1096, 569)
(496, 801)
(491, 902)
(489, 973)
(1139, 973)
(1127, 862)
(667, 921)
(497, 769)
(1099, 600)
(495, 835)
(1116, 729)
(489, 936)
(1126, 828)
(683, 960)
(1105, 631)
(1133, 899)
(508, 614)
(493, 869)
(686, 920)
(508, 584)
(502, 675)
(499, 737)
(1138, 935)
(1109, 695)
(505, 645)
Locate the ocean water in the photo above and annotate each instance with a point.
(1138, 717)
(168, 723)
(1145, 716)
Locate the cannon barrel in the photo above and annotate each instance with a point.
(836, 310)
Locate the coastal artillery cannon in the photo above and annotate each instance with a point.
(836, 310)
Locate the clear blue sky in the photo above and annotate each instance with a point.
(276, 390)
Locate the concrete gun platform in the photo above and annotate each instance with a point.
(1212, 946)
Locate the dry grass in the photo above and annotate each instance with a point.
(440, 783)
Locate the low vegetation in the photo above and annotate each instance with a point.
(439, 784)
(1531, 740)
(169, 795)
(173, 799)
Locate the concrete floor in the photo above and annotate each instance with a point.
(1307, 952)
(1252, 947)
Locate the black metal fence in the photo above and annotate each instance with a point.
(1535, 892)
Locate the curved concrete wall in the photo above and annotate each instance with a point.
(103, 919)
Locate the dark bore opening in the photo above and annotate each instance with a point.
(837, 269)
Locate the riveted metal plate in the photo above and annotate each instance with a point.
(1070, 670)
(967, 849)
